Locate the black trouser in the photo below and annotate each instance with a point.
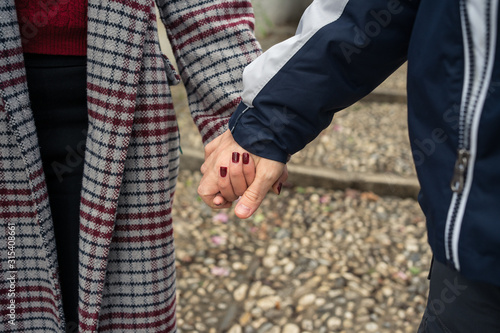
(57, 88)
(458, 305)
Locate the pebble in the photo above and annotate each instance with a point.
(265, 328)
(307, 325)
(268, 302)
(334, 323)
(266, 291)
(371, 327)
(307, 300)
(289, 267)
(272, 250)
(290, 328)
(235, 329)
(240, 292)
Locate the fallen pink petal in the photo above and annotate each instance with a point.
(220, 271)
(218, 240)
(221, 217)
(324, 199)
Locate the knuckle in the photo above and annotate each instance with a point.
(253, 195)
(236, 172)
(200, 191)
(223, 186)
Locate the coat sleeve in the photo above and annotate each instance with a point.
(213, 41)
(342, 50)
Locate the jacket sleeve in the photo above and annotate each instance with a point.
(342, 50)
(212, 42)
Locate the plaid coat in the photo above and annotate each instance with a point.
(127, 270)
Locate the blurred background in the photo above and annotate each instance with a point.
(342, 249)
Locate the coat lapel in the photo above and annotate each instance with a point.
(116, 33)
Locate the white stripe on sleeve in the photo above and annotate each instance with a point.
(256, 75)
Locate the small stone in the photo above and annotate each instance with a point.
(276, 270)
(334, 323)
(289, 268)
(272, 250)
(200, 327)
(235, 329)
(387, 291)
(240, 293)
(371, 327)
(268, 302)
(258, 322)
(260, 252)
(335, 293)
(367, 303)
(209, 261)
(254, 289)
(265, 328)
(274, 329)
(307, 300)
(304, 241)
(245, 318)
(307, 325)
(237, 266)
(266, 291)
(290, 328)
(256, 312)
(348, 323)
(322, 270)
(222, 306)
(320, 302)
(269, 262)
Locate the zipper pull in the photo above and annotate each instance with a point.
(458, 181)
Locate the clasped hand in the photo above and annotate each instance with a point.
(230, 172)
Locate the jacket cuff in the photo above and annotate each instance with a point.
(255, 136)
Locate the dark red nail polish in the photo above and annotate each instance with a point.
(223, 171)
(246, 158)
(279, 188)
(236, 157)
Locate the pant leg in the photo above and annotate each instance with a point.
(459, 305)
(57, 87)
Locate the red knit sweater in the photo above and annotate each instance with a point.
(53, 26)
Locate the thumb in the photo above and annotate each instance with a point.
(252, 198)
(267, 173)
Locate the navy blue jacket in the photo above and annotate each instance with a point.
(342, 50)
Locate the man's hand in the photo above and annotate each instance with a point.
(269, 174)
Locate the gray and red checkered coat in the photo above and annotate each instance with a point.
(127, 271)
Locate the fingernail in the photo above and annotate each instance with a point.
(242, 210)
(246, 158)
(279, 188)
(223, 171)
(236, 157)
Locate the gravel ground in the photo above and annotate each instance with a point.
(310, 260)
